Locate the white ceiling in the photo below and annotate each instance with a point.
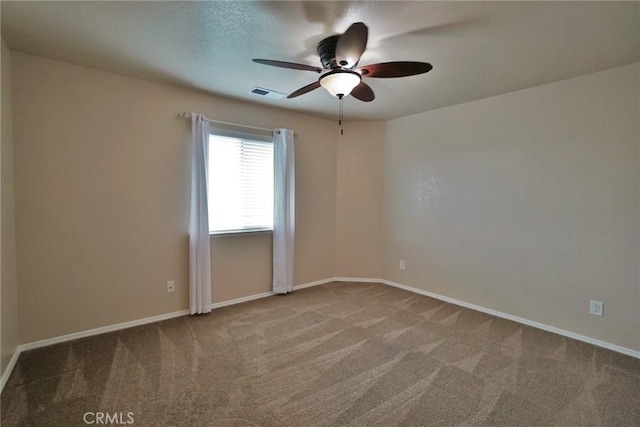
(477, 49)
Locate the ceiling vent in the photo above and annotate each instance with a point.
(267, 93)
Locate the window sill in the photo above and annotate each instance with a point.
(240, 232)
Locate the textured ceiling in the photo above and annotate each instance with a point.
(478, 49)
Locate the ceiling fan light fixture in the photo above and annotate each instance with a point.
(340, 82)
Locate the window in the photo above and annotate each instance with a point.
(240, 182)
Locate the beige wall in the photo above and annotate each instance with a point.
(359, 244)
(526, 203)
(8, 284)
(102, 184)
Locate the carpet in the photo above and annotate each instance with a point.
(337, 354)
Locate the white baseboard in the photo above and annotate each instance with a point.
(239, 300)
(316, 283)
(544, 327)
(101, 330)
(357, 279)
(146, 320)
(131, 324)
(267, 294)
(82, 334)
(9, 368)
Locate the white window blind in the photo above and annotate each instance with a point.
(240, 183)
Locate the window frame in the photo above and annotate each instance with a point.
(244, 135)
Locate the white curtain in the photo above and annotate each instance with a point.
(199, 245)
(284, 210)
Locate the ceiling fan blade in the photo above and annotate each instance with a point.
(395, 69)
(351, 45)
(291, 65)
(305, 89)
(363, 92)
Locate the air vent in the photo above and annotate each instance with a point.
(258, 91)
(267, 93)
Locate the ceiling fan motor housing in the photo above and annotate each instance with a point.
(327, 51)
(339, 55)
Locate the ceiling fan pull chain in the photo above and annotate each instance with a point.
(341, 118)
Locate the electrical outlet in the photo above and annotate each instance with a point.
(596, 307)
(171, 286)
(402, 264)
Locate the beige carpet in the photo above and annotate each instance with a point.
(338, 354)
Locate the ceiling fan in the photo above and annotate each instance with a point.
(341, 76)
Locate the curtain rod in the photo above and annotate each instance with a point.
(188, 116)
